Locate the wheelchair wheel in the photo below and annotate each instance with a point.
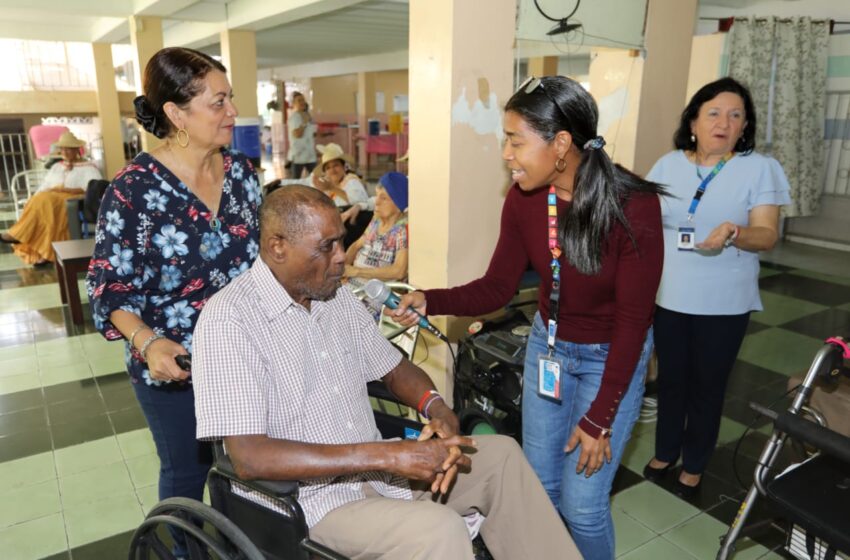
(209, 534)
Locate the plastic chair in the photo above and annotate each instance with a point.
(23, 185)
(43, 136)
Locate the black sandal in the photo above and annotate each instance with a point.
(6, 238)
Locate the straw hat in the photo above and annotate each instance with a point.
(331, 152)
(68, 140)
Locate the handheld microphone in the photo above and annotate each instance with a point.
(379, 294)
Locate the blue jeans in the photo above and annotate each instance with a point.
(184, 461)
(546, 426)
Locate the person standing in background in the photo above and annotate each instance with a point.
(723, 212)
(302, 146)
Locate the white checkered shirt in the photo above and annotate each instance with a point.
(263, 364)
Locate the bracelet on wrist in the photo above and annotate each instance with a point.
(425, 397)
(428, 404)
(606, 432)
(136, 331)
(144, 349)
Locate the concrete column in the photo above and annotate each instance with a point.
(670, 28)
(107, 109)
(146, 38)
(239, 56)
(543, 66)
(365, 107)
(460, 77)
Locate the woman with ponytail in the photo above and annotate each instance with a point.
(175, 226)
(592, 231)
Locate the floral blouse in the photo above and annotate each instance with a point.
(158, 254)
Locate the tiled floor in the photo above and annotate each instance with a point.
(78, 469)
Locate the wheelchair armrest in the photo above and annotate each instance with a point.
(276, 488)
(379, 390)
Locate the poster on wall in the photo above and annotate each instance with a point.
(379, 102)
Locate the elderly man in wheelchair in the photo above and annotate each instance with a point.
(281, 362)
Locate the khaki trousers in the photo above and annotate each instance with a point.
(521, 522)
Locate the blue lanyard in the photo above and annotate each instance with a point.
(704, 185)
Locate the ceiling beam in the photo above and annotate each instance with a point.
(263, 14)
(397, 60)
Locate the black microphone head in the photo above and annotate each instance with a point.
(376, 292)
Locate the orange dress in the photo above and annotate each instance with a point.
(45, 218)
(43, 221)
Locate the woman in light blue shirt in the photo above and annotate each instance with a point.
(724, 209)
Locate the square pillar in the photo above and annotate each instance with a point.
(146, 38)
(107, 110)
(239, 56)
(460, 78)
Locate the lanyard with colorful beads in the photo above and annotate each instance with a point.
(555, 249)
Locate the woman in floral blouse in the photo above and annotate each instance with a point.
(175, 226)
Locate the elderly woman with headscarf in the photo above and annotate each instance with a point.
(45, 218)
(381, 252)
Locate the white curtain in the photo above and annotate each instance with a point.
(783, 63)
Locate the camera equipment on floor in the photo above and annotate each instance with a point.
(488, 376)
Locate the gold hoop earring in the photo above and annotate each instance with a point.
(560, 165)
(177, 137)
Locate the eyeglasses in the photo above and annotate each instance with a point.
(530, 84)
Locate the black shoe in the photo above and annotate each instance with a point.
(6, 238)
(656, 475)
(685, 491)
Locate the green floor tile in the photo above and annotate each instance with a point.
(136, 443)
(26, 471)
(653, 506)
(17, 383)
(845, 306)
(34, 539)
(110, 362)
(747, 549)
(66, 373)
(779, 350)
(95, 484)
(98, 520)
(699, 536)
(85, 456)
(658, 549)
(11, 262)
(639, 450)
(629, 533)
(768, 272)
(16, 352)
(61, 358)
(29, 502)
(148, 496)
(58, 346)
(779, 309)
(27, 365)
(730, 430)
(144, 470)
(820, 276)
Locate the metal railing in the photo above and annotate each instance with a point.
(16, 155)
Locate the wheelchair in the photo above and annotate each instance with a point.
(239, 528)
(813, 496)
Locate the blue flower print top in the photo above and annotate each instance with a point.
(158, 254)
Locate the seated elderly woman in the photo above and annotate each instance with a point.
(45, 219)
(382, 250)
(336, 177)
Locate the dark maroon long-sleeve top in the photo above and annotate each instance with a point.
(614, 306)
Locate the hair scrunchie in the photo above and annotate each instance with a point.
(145, 114)
(594, 143)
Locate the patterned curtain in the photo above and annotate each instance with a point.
(799, 46)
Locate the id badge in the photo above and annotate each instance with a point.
(549, 377)
(685, 237)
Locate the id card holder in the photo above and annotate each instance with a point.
(685, 237)
(549, 377)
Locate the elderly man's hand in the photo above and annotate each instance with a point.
(435, 460)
